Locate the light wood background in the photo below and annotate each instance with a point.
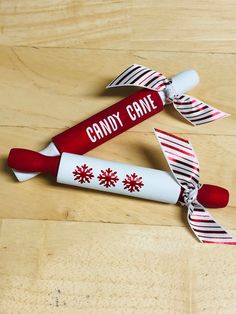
(65, 250)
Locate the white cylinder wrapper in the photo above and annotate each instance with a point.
(124, 179)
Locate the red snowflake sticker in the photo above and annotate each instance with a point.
(133, 183)
(83, 174)
(108, 178)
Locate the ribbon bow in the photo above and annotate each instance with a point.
(184, 165)
(192, 109)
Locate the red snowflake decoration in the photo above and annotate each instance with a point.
(83, 174)
(133, 183)
(108, 178)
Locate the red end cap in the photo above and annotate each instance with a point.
(29, 161)
(212, 196)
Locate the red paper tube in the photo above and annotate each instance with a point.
(113, 120)
(109, 123)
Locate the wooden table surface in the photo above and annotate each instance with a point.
(66, 250)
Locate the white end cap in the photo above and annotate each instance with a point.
(185, 81)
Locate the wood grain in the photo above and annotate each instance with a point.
(66, 267)
(161, 26)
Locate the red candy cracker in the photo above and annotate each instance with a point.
(114, 120)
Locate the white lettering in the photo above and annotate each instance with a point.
(117, 116)
(151, 101)
(105, 127)
(113, 123)
(129, 110)
(89, 131)
(138, 109)
(141, 107)
(145, 105)
(98, 131)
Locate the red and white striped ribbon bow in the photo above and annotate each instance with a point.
(184, 165)
(192, 109)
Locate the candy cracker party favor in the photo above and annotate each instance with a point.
(156, 93)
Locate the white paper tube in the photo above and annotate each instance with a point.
(153, 184)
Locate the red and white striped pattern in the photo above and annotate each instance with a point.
(206, 228)
(196, 111)
(184, 165)
(192, 109)
(140, 76)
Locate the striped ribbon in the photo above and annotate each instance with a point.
(192, 109)
(184, 165)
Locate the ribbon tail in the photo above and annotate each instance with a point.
(195, 111)
(181, 158)
(206, 229)
(140, 76)
(184, 165)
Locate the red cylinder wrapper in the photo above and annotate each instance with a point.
(109, 123)
(132, 110)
